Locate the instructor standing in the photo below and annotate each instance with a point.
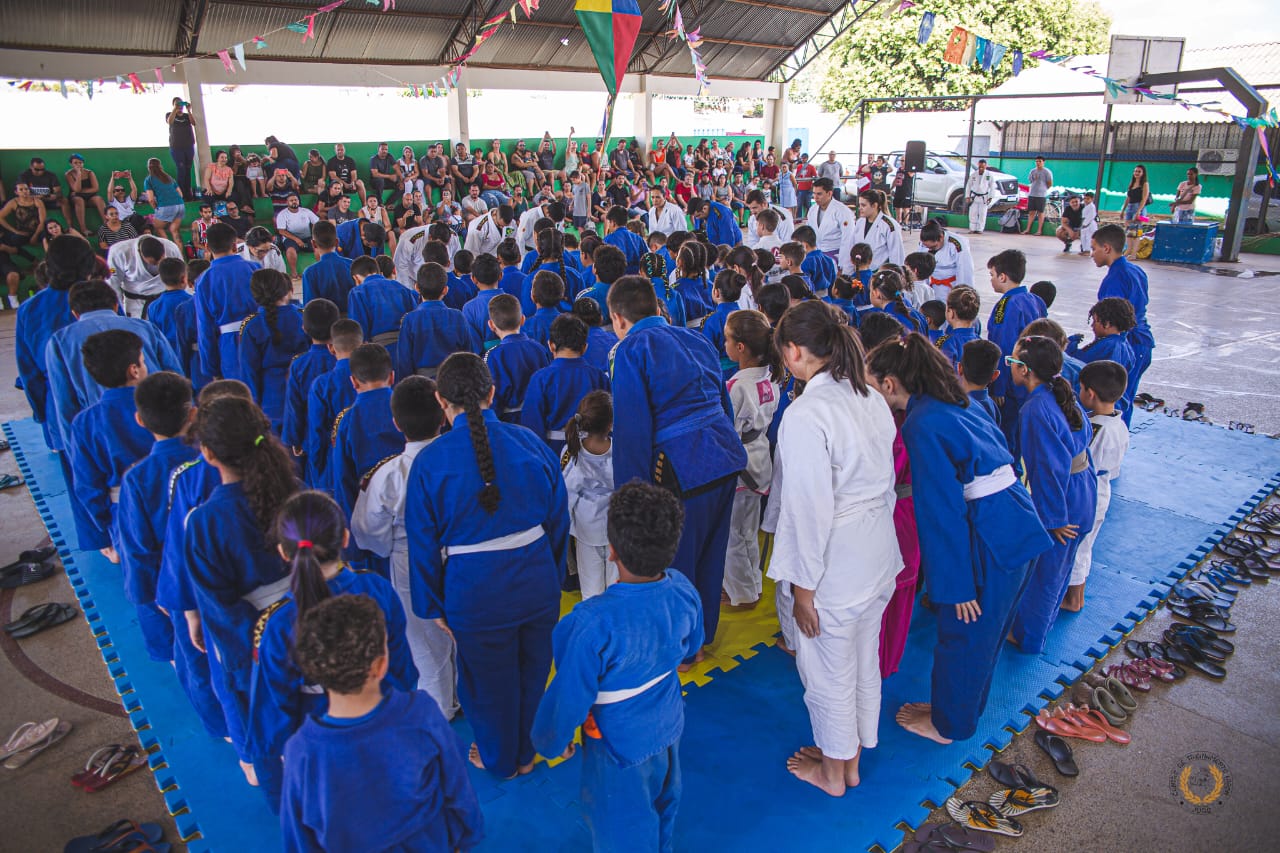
(979, 190)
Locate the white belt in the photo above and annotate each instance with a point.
(228, 328)
(312, 690)
(612, 697)
(513, 410)
(846, 515)
(267, 594)
(555, 435)
(989, 484)
(502, 543)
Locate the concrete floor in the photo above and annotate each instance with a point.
(1218, 342)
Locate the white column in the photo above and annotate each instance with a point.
(194, 95)
(775, 120)
(459, 122)
(643, 129)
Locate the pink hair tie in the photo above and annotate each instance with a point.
(305, 543)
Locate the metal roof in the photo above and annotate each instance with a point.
(742, 39)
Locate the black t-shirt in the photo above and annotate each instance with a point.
(42, 186)
(466, 166)
(386, 165)
(402, 209)
(239, 224)
(343, 166)
(546, 160)
(1072, 218)
(879, 177)
(619, 195)
(180, 130)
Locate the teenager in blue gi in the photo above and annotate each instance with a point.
(330, 276)
(978, 368)
(693, 283)
(608, 265)
(616, 658)
(1112, 319)
(885, 293)
(489, 496)
(600, 341)
(979, 532)
(1016, 307)
(378, 304)
(106, 438)
(513, 360)
(1126, 280)
(551, 259)
(554, 392)
(486, 273)
(164, 410)
(165, 311)
(963, 305)
(820, 268)
(727, 289)
(331, 393)
(461, 288)
(548, 295)
(1054, 437)
(223, 299)
(318, 318)
(716, 220)
(234, 574)
(617, 234)
(433, 331)
(512, 280)
(377, 764)
(310, 534)
(673, 425)
(72, 387)
(365, 432)
(269, 342)
(68, 260)
(358, 237)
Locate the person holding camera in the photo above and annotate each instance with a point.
(182, 144)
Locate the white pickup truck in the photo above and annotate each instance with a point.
(941, 184)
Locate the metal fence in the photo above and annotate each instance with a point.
(1171, 141)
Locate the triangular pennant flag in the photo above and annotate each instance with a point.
(296, 27)
(955, 46)
(26, 87)
(926, 28)
(159, 77)
(135, 83)
(62, 85)
(238, 50)
(905, 5)
(611, 30)
(121, 81)
(970, 47)
(329, 7)
(259, 43)
(981, 52)
(311, 28)
(88, 85)
(388, 5)
(226, 61)
(1017, 63)
(997, 54)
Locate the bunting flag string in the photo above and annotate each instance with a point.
(693, 40)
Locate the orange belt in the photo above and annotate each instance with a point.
(949, 281)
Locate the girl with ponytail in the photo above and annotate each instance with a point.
(550, 243)
(835, 554)
(588, 477)
(978, 532)
(489, 496)
(755, 389)
(742, 260)
(692, 282)
(654, 267)
(1053, 436)
(269, 342)
(963, 305)
(885, 293)
(229, 551)
(310, 534)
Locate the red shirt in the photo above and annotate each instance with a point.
(769, 172)
(684, 192)
(805, 174)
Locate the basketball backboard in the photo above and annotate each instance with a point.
(1133, 56)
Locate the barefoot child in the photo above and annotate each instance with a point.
(376, 761)
(1015, 308)
(963, 305)
(554, 392)
(1101, 384)
(588, 476)
(616, 658)
(835, 552)
(1111, 318)
(1127, 281)
(754, 390)
(318, 318)
(962, 483)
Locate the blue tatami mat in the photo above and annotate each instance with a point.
(1183, 484)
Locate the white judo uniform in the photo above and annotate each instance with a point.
(1109, 445)
(272, 260)
(883, 236)
(834, 484)
(755, 398)
(786, 227)
(408, 254)
(953, 265)
(377, 524)
(486, 233)
(979, 188)
(589, 481)
(670, 220)
(130, 273)
(831, 226)
(1088, 226)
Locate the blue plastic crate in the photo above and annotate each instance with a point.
(1184, 244)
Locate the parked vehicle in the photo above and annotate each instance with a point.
(941, 184)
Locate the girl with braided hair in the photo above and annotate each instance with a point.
(269, 342)
(229, 552)
(488, 496)
(654, 267)
(692, 281)
(885, 292)
(550, 244)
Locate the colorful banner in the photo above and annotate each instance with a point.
(926, 28)
(611, 28)
(692, 40)
(955, 46)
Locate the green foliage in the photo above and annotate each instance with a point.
(880, 58)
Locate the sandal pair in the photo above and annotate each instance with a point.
(1084, 723)
(123, 835)
(947, 838)
(27, 735)
(8, 481)
(982, 817)
(107, 765)
(40, 617)
(22, 758)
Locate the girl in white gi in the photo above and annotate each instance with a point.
(754, 391)
(588, 476)
(875, 228)
(835, 552)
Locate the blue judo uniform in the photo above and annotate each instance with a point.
(538, 326)
(977, 548)
(165, 313)
(328, 278)
(303, 372)
(396, 775)
(1129, 281)
(531, 260)
(1064, 489)
(476, 312)
(105, 441)
(1111, 348)
(909, 317)
(431, 333)
(461, 291)
(513, 361)
(363, 436)
(553, 395)
(847, 306)
(499, 592)
(189, 342)
(673, 426)
(631, 245)
(572, 286)
(264, 363)
(223, 300)
(351, 243)
(720, 224)
(696, 293)
(331, 393)
(820, 269)
(600, 343)
(713, 330)
(982, 400)
(1012, 313)
(280, 698)
(512, 280)
(38, 318)
(633, 635)
(667, 294)
(379, 305)
(952, 343)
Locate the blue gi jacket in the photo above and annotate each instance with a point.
(264, 364)
(144, 515)
(952, 343)
(305, 368)
(696, 293)
(631, 245)
(722, 228)
(1129, 281)
(431, 333)
(1011, 314)
(572, 286)
(512, 362)
(379, 305)
(223, 300)
(476, 313)
(190, 484)
(364, 435)
(461, 291)
(600, 343)
(553, 396)
(1048, 446)
(38, 318)
(105, 440)
(820, 269)
(330, 394)
(537, 326)
(328, 278)
(351, 243)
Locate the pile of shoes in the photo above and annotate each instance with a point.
(31, 567)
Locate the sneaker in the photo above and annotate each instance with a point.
(13, 302)
(1067, 247)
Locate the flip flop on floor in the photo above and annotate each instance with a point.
(1221, 578)
(39, 618)
(1012, 802)
(8, 481)
(1095, 719)
(22, 574)
(982, 817)
(1205, 614)
(1060, 724)
(1115, 687)
(100, 758)
(1204, 635)
(1192, 657)
(1059, 752)
(124, 762)
(1013, 775)
(27, 735)
(15, 762)
(1200, 644)
(115, 837)
(953, 836)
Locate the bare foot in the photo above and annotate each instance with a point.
(525, 769)
(851, 778)
(697, 659)
(473, 755)
(1073, 602)
(250, 774)
(917, 718)
(816, 771)
(782, 644)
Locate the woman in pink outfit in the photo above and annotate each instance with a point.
(897, 616)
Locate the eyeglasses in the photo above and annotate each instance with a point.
(1010, 360)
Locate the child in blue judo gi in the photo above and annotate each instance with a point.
(963, 305)
(364, 433)
(1112, 319)
(310, 535)
(608, 265)
(616, 658)
(377, 764)
(554, 392)
(841, 296)
(318, 318)
(978, 530)
(512, 280)
(378, 304)
(885, 293)
(1128, 281)
(979, 367)
(234, 573)
(548, 294)
(820, 269)
(269, 342)
(106, 438)
(487, 550)
(726, 290)
(551, 259)
(1013, 311)
(486, 274)
(223, 299)
(715, 220)
(674, 426)
(331, 393)
(692, 282)
(163, 408)
(654, 268)
(433, 331)
(616, 234)
(330, 276)
(600, 340)
(515, 358)
(1054, 438)
(358, 237)
(165, 311)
